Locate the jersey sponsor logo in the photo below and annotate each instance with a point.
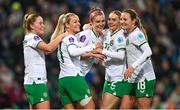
(71, 39)
(82, 38)
(36, 38)
(120, 39)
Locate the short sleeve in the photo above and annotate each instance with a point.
(34, 41)
(139, 39)
(71, 40)
(120, 43)
(82, 37)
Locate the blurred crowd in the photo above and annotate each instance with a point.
(161, 19)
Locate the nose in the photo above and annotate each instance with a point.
(110, 21)
(121, 22)
(79, 23)
(102, 23)
(43, 25)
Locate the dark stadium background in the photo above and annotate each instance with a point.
(161, 19)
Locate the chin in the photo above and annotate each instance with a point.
(77, 30)
(41, 33)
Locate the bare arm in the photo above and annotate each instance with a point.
(50, 47)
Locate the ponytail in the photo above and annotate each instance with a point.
(25, 22)
(141, 27)
(59, 27)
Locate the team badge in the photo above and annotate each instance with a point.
(120, 39)
(71, 39)
(140, 36)
(36, 38)
(111, 42)
(82, 38)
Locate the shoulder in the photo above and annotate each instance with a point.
(83, 36)
(70, 38)
(32, 37)
(120, 34)
(137, 34)
(85, 32)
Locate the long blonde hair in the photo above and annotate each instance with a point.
(60, 27)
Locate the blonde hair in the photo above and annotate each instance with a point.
(138, 23)
(28, 20)
(60, 27)
(117, 12)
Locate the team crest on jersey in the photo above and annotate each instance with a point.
(71, 39)
(111, 42)
(82, 38)
(120, 39)
(36, 38)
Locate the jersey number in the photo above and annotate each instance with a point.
(112, 85)
(141, 85)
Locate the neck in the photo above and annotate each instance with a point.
(32, 31)
(130, 30)
(70, 32)
(113, 31)
(96, 33)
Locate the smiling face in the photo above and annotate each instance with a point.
(126, 22)
(73, 26)
(113, 22)
(37, 27)
(98, 23)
